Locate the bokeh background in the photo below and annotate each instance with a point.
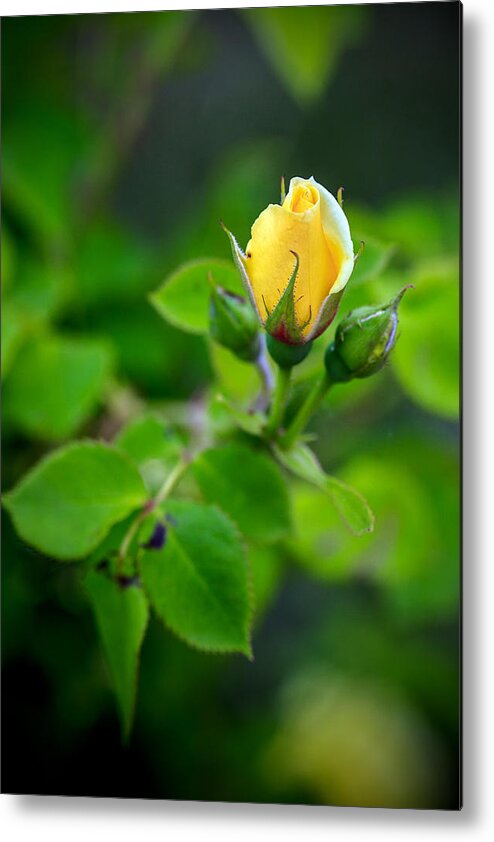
(126, 137)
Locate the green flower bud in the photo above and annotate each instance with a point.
(363, 341)
(233, 323)
(286, 355)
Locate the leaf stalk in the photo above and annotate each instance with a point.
(306, 411)
(281, 389)
(166, 489)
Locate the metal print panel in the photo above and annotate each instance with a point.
(230, 362)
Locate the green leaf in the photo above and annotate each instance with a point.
(55, 384)
(351, 506)
(8, 256)
(239, 380)
(421, 227)
(265, 564)
(198, 582)
(159, 360)
(426, 359)
(34, 296)
(248, 486)
(165, 35)
(121, 615)
(39, 186)
(418, 227)
(412, 554)
(251, 423)
(66, 505)
(110, 264)
(40, 288)
(304, 44)
(15, 328)
(320, 536)
(183, 298)
(349, 503)
(151, 447)
(107, 550)
(374, 259)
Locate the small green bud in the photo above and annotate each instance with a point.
(286, 356)
(335, 367)
(363, 341)
(233, 323)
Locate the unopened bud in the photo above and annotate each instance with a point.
(363, 341)
(233, 323)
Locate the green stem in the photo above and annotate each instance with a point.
(129, 535)
(167, 487)
(170, 482)
(266, 377)
(303, 416)
(280, 394)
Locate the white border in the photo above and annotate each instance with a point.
(78, 819)
(51, 7)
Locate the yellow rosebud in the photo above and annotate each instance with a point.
(297, 262)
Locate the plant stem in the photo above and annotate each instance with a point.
(280, 394)
(168, 485)
(266, 377)
(129, 535)
(303, 416)
(170, 482)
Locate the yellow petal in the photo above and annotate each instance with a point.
(308, 226)
(337, 233)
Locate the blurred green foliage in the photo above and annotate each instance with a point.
(304, 44)
(353, 696)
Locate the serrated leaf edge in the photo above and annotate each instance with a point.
(52, 457)
(126, 722)
(218, 650)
